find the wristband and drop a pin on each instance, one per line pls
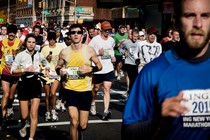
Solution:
(137, 61)
(94, 69)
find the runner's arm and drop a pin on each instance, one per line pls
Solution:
(95, 60)
(61, 62)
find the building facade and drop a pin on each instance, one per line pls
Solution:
(60, 11)
(140, 13)
(7, 11)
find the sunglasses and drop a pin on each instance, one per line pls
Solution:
(75, 32)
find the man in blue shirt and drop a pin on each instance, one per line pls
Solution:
(170, 97)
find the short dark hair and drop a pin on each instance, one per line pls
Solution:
(168, 31)
(37, 26)
(91, 26)
(76, 26)
(30, 35)
(12, 29)
(3, 25)
(135, 31)
(175, 30)
(51, 35)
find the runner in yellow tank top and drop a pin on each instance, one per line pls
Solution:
(78, 86)
(8, 46)
(79, 82)
(8, 51)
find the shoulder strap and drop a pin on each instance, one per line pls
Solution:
(84, 52)
(68, 54)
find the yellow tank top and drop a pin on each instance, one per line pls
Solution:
(8, 55)
(76, 81)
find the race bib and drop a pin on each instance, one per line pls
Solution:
(198, 106)
(9, 59)
(74, 74)
(107, 54)
(33, 68)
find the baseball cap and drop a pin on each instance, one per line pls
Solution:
(152, 30)
(58, 28)
(141, 33)
(106, 25)
(22, 26)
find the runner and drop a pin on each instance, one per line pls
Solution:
(8, 46)
(119, 38)
(27, 64)
(51, 53)
(78, 87)
(147, 50)
(103, 45)
(127, 48)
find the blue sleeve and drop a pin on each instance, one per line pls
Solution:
(141, 105)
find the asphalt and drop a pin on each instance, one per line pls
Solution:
(97, 129)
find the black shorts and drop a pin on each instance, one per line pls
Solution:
(118, 59)
(10, 79)
(99, 78)
(81, 100)
(29, 88)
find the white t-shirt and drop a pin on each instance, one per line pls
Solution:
(108, 45)
(147, 51)
(64, 32)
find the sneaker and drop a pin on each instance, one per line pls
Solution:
(47, 116)
(63, 108)
(23, 131)
(3, 124)
(9, 113)
(93, 110)
(58, 105)
(16, 101)
(30, 139)
(106, 116)
(80, 135)
(54, 115)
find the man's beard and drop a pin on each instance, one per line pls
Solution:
(187, 49)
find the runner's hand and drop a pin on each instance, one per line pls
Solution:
(126, 53)
(113, 59)
(101, 52)
(171, 107)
